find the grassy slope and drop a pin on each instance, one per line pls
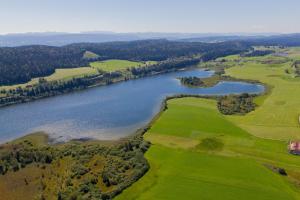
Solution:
(90, 55)
(60, 74)
(277, 117)
(181, 171)
(115, 65)
(187, 175)
(294, 53)
(66, 74)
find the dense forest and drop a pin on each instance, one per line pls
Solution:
(21, 64)
(157, 50)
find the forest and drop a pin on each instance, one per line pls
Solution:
(21, 64)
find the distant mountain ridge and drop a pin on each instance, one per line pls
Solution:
(61, 39)
(283, 39)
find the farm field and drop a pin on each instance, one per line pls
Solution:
(195, 153)
(63, 74)
(116, 65)
(60, 74)
(278, 115)
(199, 153)
(294, 52)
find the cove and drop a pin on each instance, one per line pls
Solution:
(108, 112)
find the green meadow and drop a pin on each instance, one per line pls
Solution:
(278, 115)
(90, 55)
(198, 153)
(59, 74)
(118, 65)
(66, 74)
(293, 52)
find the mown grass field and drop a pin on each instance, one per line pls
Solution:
(230, 165)
(118, 65)
(294, 52)
(60, 74)
(90, 55)
(198, 153)
(278, 115)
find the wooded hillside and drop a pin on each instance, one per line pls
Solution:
(21, 64)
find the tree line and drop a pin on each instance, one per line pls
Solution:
(21, 64)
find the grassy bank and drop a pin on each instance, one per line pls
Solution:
(198, 153)
(277, 117)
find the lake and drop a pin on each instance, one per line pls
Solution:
(107, 112)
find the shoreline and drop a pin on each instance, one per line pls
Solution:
(118, 80)
(162, 107)
(44, 140)
(142, 130)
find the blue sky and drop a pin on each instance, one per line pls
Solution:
(198, 16)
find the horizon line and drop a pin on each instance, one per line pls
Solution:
(152, 32)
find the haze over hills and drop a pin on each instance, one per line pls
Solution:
(61, 38)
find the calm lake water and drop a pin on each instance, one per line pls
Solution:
(108, 112)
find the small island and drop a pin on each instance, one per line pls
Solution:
(193, 81)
